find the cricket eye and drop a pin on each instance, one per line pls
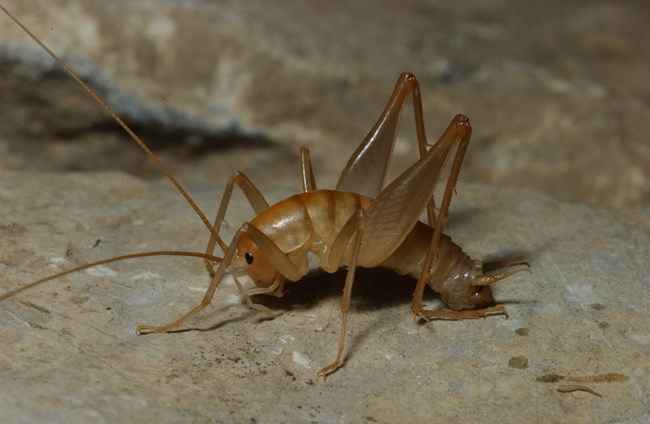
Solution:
(249, 258)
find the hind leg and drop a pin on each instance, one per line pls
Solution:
(306, 171)
(366, 169)
(448, 314)
(483, 280)
(451, 139)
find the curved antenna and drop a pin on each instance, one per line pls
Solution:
(122, 124)
(106, 261)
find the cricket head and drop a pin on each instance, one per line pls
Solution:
(252, 259)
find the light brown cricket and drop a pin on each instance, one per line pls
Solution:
(361, 223)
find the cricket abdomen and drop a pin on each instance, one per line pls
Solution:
(451, 273)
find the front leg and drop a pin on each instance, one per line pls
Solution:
(256, 200)
(280, 260)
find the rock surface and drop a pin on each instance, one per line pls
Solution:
(69, 352)
(558, 99)
(557, 91)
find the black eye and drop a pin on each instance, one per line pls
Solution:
(248, 257)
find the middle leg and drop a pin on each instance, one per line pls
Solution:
(352, 230)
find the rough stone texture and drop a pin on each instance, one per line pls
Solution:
(70, 354)
(557, 91)
(558, 99)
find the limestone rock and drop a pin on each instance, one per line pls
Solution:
(69, 352)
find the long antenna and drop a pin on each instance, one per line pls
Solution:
(106, 261)
(122, 124)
